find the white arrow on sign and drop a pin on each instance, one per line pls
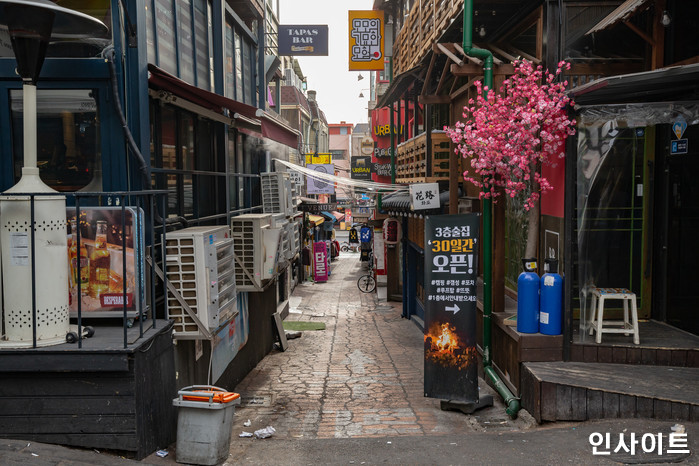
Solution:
(453, 308)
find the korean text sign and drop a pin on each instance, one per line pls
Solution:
(320, 261)
(366, 40)
(451, 262)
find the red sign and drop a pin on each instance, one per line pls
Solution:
(320, 261)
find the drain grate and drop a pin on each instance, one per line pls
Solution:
(257, 400)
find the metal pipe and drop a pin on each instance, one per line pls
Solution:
(510, 400)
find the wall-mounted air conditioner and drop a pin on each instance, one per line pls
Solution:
(199, 263)
(247, 232)
(276, 193)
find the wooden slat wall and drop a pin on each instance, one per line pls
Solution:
(127, 410)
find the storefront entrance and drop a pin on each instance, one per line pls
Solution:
(677, 210)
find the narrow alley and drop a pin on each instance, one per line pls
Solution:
(360, 377)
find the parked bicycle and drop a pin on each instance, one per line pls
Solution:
(347, 247)
(367, 283)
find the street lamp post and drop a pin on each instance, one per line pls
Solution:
(33, 231)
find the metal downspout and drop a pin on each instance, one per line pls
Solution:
(510, 400)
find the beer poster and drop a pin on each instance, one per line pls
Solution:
(451, 261)
(97, 265)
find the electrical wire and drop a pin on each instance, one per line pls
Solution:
(368, 185)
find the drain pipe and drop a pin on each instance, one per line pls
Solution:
(510, 400)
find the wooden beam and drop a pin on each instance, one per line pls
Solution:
(433, 99)
(476, 70)
(642, 34)
(443, 78)
(464, 88)
(500, 51)
(658, 49)
(460, 49)
(429, 73)
(531, 58)
(450, 54)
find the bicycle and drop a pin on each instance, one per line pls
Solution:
(367, 283)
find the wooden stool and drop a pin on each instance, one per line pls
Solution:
(597, 317)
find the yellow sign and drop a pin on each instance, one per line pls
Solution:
(366, 37)
(317, 159)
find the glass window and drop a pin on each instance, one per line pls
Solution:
(186, 48)
(201, 42)
(238, 68)
(68, 136)
(150, 37)
(343, 130)
(230, 59)
(165, 29)
(248, 76)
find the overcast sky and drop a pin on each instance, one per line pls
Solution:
(337, 87)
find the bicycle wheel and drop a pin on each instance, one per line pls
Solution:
(366, 283)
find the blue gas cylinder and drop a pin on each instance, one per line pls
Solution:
(528, 298)
(551, 306)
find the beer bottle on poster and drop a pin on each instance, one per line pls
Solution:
(80, 277)
(99, 262)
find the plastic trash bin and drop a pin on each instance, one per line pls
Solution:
(204, 424)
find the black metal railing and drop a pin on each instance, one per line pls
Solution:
(147, 207)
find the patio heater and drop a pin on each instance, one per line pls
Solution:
(36, 315)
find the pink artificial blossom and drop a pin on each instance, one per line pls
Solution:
(511, 133)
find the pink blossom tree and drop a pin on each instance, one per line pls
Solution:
(510, 135)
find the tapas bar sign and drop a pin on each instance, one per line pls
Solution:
(451, 262)
(303, 39)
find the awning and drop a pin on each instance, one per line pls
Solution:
(399, 85)
(329, 216)
(339, 216)
(622, 13)
(271, 127)
(315, 219)
(674, 83)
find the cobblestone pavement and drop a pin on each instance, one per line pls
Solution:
(360, 377)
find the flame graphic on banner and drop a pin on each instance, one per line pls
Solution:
(442, 347)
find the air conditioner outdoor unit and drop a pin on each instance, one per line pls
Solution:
(276, 193)
(199, 263)
(247, 232)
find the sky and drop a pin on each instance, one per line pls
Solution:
(337, 88)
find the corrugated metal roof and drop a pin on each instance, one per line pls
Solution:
(622, 13)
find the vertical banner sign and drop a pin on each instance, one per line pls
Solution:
(366, 45)
(451, 261)
(320, 261)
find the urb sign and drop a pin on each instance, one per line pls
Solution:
(303, 40)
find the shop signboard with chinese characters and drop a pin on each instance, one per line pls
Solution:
(366, 40)
(319, 185)
(320, 261)
(97, 265)
(451, 261)
(303, 39)
(425, 196)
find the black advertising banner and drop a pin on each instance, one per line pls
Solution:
(299, 40)
(360, 167)
(451, 262)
